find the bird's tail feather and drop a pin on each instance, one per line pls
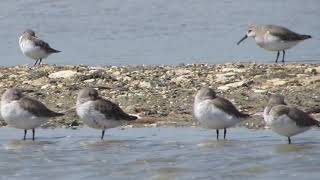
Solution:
(55, 114)
(243, 115)
(131, 118)
(51, 50)
(306, 36)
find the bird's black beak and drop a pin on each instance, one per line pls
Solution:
(242, 39)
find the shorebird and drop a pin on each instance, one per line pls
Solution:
(22, 112)
(274, 38)
(98, 112)
(33, 47)
(287, 120)
(215, 112)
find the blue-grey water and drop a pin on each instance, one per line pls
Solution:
(158, 153)
(116, 32)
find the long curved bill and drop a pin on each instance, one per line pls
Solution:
(242, 39)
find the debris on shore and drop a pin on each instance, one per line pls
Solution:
(162, 95)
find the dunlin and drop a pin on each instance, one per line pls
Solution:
(287, 120)
(98, 112)
(22, 112)
(274, 38)
(215, 112)
(33, 47)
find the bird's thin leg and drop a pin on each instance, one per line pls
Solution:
(33, 132)
(40, 62)
(225, 133)
(217, 134)
(36, 62)
(289, 140)
(278, 54)
(283, 54)
(25, 134)
(102, 134)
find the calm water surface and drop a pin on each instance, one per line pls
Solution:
(158, 153)
(154, 31)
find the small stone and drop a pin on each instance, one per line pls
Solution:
(89, 80)
(232, 85)
(260, 90)
(63, 74)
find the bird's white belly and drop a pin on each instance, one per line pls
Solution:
(267, 117)
(17, 117)
(213, 118)
(273, 43)
(95, 119)
(284, 126)
(32, 51)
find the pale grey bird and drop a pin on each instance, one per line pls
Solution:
(274, 38)
(215, 112)
(286, 120)
(22, 112)
(33, 47)
(98, 112)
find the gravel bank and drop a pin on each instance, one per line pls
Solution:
(163, 95)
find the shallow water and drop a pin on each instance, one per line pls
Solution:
(154, 31)
(158, 153)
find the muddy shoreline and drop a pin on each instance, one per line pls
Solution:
(162, 95)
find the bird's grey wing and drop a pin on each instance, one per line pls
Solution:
(285, 34)
(37, 108)
(301, 118)
(43, 45)
(111, 110)
(226, 106)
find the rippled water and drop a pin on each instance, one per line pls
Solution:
(154, 31)
(158, 153)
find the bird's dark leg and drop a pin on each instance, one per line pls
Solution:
(36, 62)
(283, 54)
(25, 134)
(217, 134)
(278, 54)
(225, 133)
(289, 140)
(40, 62)
(33, 132)
(102, 134)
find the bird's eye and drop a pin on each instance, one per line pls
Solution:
(249, 31)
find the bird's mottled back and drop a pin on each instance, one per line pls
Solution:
(111, 110)
(301, 118)
(37, 108)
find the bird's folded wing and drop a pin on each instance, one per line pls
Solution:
(110, 110)
(228, 107)
(301, 118)
(285, 34)
(37, 108)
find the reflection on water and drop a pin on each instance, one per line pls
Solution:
(219, 143)
(285, 148)
(158, 153)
